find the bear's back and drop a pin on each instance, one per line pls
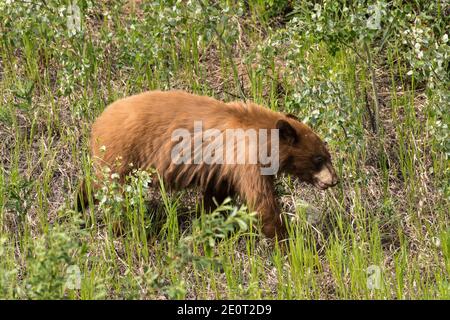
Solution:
(138, 129)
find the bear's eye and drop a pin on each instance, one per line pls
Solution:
(318, 160)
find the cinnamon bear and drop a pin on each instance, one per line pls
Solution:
(224, 149)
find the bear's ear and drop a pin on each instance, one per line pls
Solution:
(292, 116)
(287, 133)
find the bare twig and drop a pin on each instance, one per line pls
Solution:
(376, 110)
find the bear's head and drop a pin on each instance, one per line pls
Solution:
(303, 154)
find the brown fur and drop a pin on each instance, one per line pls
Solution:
(138, 129)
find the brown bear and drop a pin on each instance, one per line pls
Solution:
(221, 148)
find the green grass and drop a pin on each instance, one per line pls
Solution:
(386, 224)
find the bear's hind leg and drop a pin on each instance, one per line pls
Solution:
(213, 197)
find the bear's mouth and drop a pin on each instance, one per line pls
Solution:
(321, 185)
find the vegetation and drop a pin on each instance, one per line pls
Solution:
(372, 78)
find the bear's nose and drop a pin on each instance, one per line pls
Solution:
(334, 177)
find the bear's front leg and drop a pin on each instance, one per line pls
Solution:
(258, 191)
(272, 223)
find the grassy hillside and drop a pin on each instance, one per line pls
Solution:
(372, 79)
